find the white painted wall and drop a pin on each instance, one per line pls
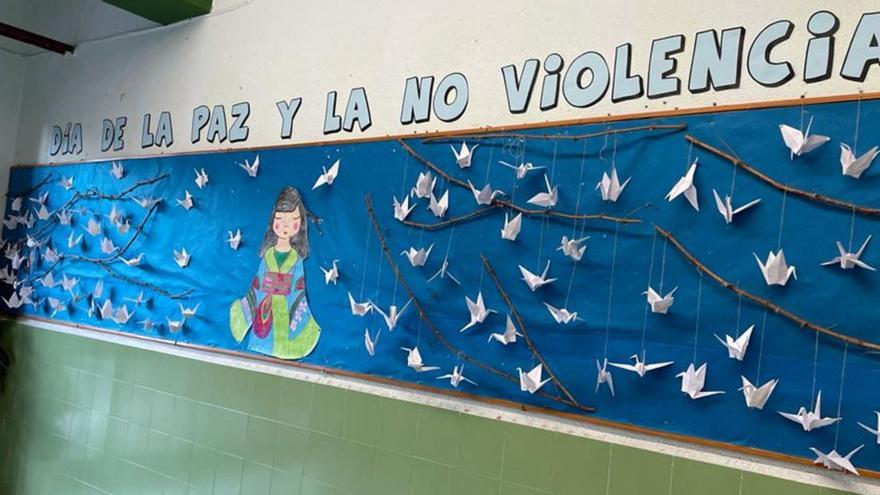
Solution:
(11, 76)
(263, 51)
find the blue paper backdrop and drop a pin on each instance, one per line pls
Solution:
(655, 160)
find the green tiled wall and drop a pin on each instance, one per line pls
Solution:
(86, 417)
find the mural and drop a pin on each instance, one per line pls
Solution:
(708, 275)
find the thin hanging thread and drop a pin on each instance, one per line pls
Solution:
(671, 475)
(739, 306)
(697, 324)
(489, 164)
(733, 181)
(405, 171)
(761, 348)
(577, 208)
(663, 265)
(852, 229)
(650, 276)
(815, 366)
(781, 221)
(366, 256)
(840, 394)
(858, 121)
(521, 158)
(610, 293)
(690, 155)
(544, 219)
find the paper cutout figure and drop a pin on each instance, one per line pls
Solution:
(181, 257)
(66, 183)
(252, 169)
(68, 283)
(56, 305)
(522, 169)
(477, 310)
(457, 376)
(509, 336)
(107, 246)
(359, 309)
(811, 420)
(414, 360)
(187, 201)
(48, 280)
(726, 209)
(201, 178)
(188, 312)
(562, 315)
(872, 431)
(604, 376)
(72, 241)
(114, 215)
(546, 199)
(531, 382)
(41, 199)
(16, 204)
(756, 397)
(122, 315)
(133, 261)
(834, 461)
(444, 272)
(328, 177)
(10, 222)
(639, 367)
(93, 227)
(610, 187)
(234, 240)
(424, 185)
(736, 348)
(142, 299)
(535, 282)
(438, 208)
(43, 213)
(331, 275)
(146, 324)
(106, 310)
(659, 304)
(511, 227)
(572, 247)
(123, 227)
(855, 167)
(686, 186)
(275, 309)
(847, 260)
(417, 257)
(693, 381)
(370, 342)
(392, 315)
(402, 209)
(464, 156)
(486, 195)
(776, 271)
(50, 255)
(64, 217)
(174, 325)
(116, 170)
(801, 142)
(147, 202)
(14, 301)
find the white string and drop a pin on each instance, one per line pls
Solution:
(840, 393)
(610, 292)
(671, 475)
(521, 159)
(405, 171)
(663, 265)
(739, 306)
(577, 208)
(852, 229)
(761, 348)
(858, 120)
(544, 217)
(366, 255)
(733, 180)
(489, 165)
(650, 276)
(697, 323)
(781, 220)
(815, 366)
(690, 155)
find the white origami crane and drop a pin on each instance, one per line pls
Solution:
(392, 315)
(147, 202)
(402, 209)
(132, 261)
(234, 240)
(140, 299)
(107, 246)
(146, 324)
(73, 241)
(64, 217)
(50, 255)
(424, 185)
(811, 420)
(41, 199)
(439, 207)
(531, 382)
(477, 310)
(686, 186)
(463, 158)
(726, 209)
(417, 257)
(114, 214)
(572, 247)
(414, 360)
(174, 325)
(16, 260)
(16, 204)
(801, 142)
(14, 301)
(42, 213)
(98, 291)
(27, 221)
(68, 283)
(66, 183)
(328, 177)
(756, 397)
(444, 272)
(509, 336)
(610, 186)
(872, 431)
(188, 312)
(693, 381)
(852, 166)
(252, 169)
(106, 310)
(116, 170)
(122, 315)
(522, 169)
(640, 368)
(776, 271)
(736, 348)
(201, 178)
(331, 275)
(93, 227)
(187, 201)
(359, 309)
(7, 276)
(562, 315)
(546, 199)
(457, 375)
(659, 304)
(833, 460)
(56, 305)
(10, 222)
(511, 227)
(604, 376)
(370, 342)
(536, 281)
(48, 280)
(486, 195)
(123, 226)
(847, 260)
(181, 257)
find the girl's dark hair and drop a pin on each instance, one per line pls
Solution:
(289, 200)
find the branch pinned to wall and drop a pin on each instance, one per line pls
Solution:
(565, 137)
(140, 283)
(48, 178)
(121, 251)
(383, 243)
(810, 195)
(764, 303)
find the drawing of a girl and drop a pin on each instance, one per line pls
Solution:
(275, 307)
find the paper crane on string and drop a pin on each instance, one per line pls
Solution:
(328, 177)
(855, 167)
(726, 209)
(424, 187)
(834, 461)
(640, 367)
(359, 309)
(604, 376)
(444, 272)
(522, 169)
(486, 195)
(464, 157)
(546, 199)
(756, 397)
(573, 247)
(402, 209)
(847, 260)
(531, 382)
(659, 304)
(694, 380)
(370, 342)
(477, 310)
(736, 348)
(417, 257)
(331, 275)
(776, 270)
(393, 314)
(872, 431)
(511, 227)
(439, 207)
(686, 186)
(799, 142)
(509, 336)
(414, 360)
(610, 187)
(456, 377)
(536, 281)
(811, 420)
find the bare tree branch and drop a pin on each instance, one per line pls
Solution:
(567, 137)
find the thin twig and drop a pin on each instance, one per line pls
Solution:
(810, 195)
(491, 271)
(569, 137)
(119, 252)
(437, 334)
(155, 288)
(801, 322)
(33, 188)
(449, 222)
(130, 189)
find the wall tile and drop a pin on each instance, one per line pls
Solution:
(481, 446)
(360, 419)
(397, 426)
(522, 463)
(392, 474)
(581, 466)
(654, 471)
(429, 478)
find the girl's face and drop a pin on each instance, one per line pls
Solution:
(286, 224)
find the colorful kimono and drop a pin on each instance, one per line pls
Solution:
(275, 309)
